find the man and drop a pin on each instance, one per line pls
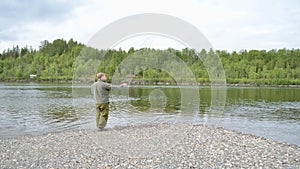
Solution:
(100, 90)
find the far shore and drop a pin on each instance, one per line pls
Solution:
(155, 84)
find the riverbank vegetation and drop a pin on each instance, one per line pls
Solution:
(60, 60)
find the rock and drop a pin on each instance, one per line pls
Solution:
(77, 149)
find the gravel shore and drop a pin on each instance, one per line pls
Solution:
(151, 146)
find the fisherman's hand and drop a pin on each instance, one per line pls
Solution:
(123, 84)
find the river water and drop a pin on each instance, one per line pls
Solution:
(35, 108)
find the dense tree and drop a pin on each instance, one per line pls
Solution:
(61, 60)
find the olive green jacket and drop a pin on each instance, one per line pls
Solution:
(100, 90)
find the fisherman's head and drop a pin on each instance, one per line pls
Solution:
(101, 76)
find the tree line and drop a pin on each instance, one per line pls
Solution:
(52, 61)
(63, 60)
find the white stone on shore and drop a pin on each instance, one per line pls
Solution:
(201, 147)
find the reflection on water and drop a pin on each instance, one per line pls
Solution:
(261, 110)
(41, 108)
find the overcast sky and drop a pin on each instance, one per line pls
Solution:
(227, 24)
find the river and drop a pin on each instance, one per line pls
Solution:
(39, 108)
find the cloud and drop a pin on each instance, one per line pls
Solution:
(18, 11)
(15, 15)
(257, 25)
(230, 25)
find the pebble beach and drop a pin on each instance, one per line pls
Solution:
(149, 146)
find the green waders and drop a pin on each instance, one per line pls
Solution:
(102, 114)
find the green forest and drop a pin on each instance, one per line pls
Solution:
(63, 60)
